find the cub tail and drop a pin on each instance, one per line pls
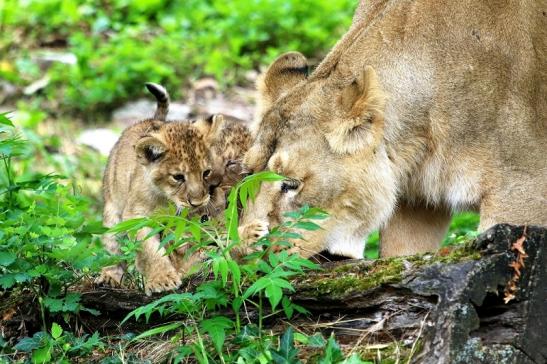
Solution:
(162, 97)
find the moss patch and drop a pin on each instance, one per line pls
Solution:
(348, 279)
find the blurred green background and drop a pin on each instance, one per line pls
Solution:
(112, 47)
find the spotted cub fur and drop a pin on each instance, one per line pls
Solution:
(154, 162)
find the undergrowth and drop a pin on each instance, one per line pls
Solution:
(50, 243)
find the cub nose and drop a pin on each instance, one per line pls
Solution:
(196, 202)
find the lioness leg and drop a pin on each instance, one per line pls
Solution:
(111, 275)
(413, 229)
(522, 201)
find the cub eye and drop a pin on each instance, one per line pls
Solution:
(231, 163)
(289, 184)
(206, 173)
(178, 177)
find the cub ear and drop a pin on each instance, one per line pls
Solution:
(211, 126)
(283, 74)
(149, 150)
(361, 104)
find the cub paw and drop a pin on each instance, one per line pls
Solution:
(250, 233)
(161, 280)
(111, 276)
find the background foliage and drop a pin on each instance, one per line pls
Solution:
(119, 44)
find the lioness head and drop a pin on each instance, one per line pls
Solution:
(325, 136)
(177, 163)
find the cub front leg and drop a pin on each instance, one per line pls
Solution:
(158, 271)
(113, 274)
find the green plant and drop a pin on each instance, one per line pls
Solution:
(48, 241)
(58, 345)
(259, 283)
(463, 227)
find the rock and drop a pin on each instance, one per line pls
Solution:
(206, 99)
(45, 58)
(142, 109)
(36, 86)
(101, 139)
(7, 91)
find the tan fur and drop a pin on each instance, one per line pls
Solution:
(140, 177)
(228, 140)
(463, 126)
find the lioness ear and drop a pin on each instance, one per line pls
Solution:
(149, 150)
(211, 126)
(362, 104)
(283, 74)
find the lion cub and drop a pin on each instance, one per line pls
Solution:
(229, 139)
(152, 163)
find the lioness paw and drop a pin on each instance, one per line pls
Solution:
(111, 276)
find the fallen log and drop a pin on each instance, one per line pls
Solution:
(490, 308)
(484, 302)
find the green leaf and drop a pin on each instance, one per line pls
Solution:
(333, 353)
(301, 338)
(129, 225)
(307, 225)
(7, 258)
(287, 353)
(274, 294)
(5, 120)
(355, 359)
(316, 341)
(158, 330)
(56, 331)
(7, 280)
(27, 344)
(70, 303)
(257, 286)
(42, 355)
(53, 304)
(235, 271)
(287, 307)
(216, 328)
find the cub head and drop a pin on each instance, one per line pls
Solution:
(228, 140)
(177, 163)
(322, 134)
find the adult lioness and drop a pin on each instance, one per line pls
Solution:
(423, 108)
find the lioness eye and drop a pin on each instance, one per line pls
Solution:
(178, 177)
(289, 185)
(206, 173)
